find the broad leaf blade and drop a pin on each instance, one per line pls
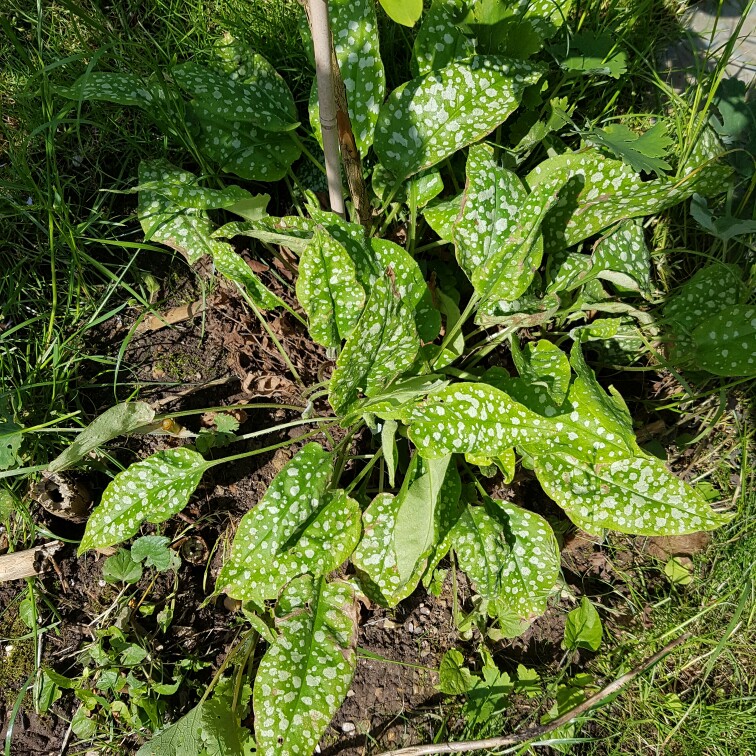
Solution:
(642, 152)
(404, 12)
(635, 495)
(440, 41)
(121, 88)
(233, 266)
(116, 421)
(305, 675)
(384, 343)
(622, 257)
(544, 363)
(726, 343)
(510, 554)
(417, 127)
(151, 490)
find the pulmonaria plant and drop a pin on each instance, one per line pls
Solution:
(527, 249)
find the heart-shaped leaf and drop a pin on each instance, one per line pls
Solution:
(151, 490)
(305, 675)
(635, 495)
(725, 344)
(296, 528)
(510, 554)
(384, 343)
(328, 290)
(430, 118)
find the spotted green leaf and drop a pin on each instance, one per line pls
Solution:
(296, 528)
(441, 216)
(328, 290)
(710, 290)
(591, 52)
(233, 266)
(440, 41)
(383, 344)
(542, 363)
(429, 118)
(622, 257)
(260, 97)
(423, 187)
(151, 490)
(402, 532)
(635, 495)
(598, 192)
(120, 88)
(187, 230)
(354, 28)
(11, 437)
(472, 418)
(305, 675)
(725, 344)
(510, 554)
(244, 149)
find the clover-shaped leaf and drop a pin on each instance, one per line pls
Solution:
(430, 118)
(510, 554)
(305, 675)
(151, 490)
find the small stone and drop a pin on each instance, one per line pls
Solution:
(410, 627)
(425, 611)
(347, 727)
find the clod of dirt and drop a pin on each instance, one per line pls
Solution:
(666, 547)
(64, 495)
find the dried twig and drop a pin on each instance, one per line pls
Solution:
(536, 732)
(28, 563)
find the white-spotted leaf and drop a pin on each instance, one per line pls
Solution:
(305, 675)
(328, 290)
(121, 88)
(116, 421)
(442, 215)
(635, 495)
(233, 266)
(151, 490)
(545, 364)
(440, 41)
(430, 118)
(622, 257)
(725, 344)
(383, 344)
(472, 418)
(354, 28)
(510, 554)
(296, 528)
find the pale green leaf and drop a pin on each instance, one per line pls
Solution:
(121, 88)
(154, 551)
(233, 266)
(472, 418)
(583, 627)
(384, 343)
(405, 12)
(454, 676)
(725, 344)
(304, 677)
(297, 527)
(260, 97)
(151, 490)
(635, 495)
(121, 568)
(510, 555)
(430, 118)
(328, 290)
(388, 445)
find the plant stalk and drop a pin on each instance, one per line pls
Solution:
(317, 15)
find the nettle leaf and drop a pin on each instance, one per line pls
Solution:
(642, 152)
(510, 554)
(725, 344)
(592, 52)
(598, 192)
(404, 12)
(430, 118)
(120, 88)
(296, 528)
(151, 490)
(403, 532)
(233, 266)
(243, 149)
(622, 257)
(441, 216)
(440, 41)
(328, 290)
(116, 421)
(260, 98)
(543, 363)
(354, 28)
(472, 418)
(187, 230)
(304, 677)
(384, 343)
(635, 495)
